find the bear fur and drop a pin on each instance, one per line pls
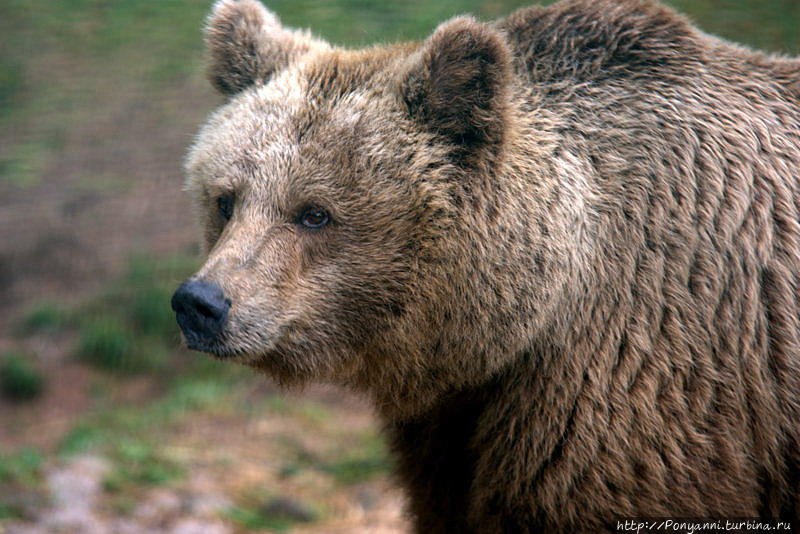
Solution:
(560, 251)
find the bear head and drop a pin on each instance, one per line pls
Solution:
(354, 227)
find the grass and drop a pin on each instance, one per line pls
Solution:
(110, 344)
(106, 343)
(45, 317)
(770, 26)
(66, 61)
(23, 167)
(364, 460)
(22, 468)
(131, 436)
(20, 379)
(110, 428)
(21, 475)
(11, 75)
(259, 509)
(127, 328)
(369, 458)
(357, 467)
(311, 413)
(255, 519)
(140, 463)
(85, 436)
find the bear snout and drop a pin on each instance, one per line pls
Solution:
(201, 309)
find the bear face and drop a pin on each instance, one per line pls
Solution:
(307, 245)
(350, 205)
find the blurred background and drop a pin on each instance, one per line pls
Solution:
(106, 424)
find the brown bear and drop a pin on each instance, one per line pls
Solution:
(560, 251)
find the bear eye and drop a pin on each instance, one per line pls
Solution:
(314, 218)
(225, 207)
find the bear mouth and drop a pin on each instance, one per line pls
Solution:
(215, 347)
(222, 347)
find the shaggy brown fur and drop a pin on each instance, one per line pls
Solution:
(562, 255)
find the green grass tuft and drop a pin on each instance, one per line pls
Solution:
(23, 467)
(358, 467)
(361, 463)
(254, 519)
(107, 343)
(20, 379)
(259, 509)
(151, 313)
(140, 463)
(82, 438)
(46, 317)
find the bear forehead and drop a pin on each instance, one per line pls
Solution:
(317, 86)
(317, 102)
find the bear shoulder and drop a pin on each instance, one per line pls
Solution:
(583, 39)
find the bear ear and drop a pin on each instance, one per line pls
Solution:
(247, 44)
(458, 82)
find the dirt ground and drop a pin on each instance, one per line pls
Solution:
(229, 455)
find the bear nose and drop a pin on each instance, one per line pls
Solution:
(200, 309)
